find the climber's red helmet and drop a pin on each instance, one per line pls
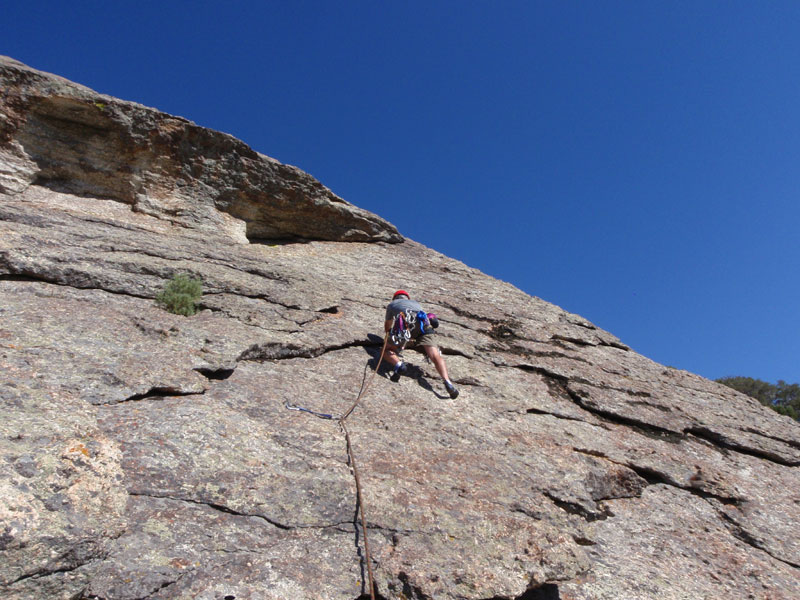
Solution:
(400, 293)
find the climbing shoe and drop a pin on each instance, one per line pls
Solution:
(399, 370)
(451, 389)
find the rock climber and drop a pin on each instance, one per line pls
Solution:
(402, 313)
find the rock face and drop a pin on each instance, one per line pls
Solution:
(149, 455)
(67, 138)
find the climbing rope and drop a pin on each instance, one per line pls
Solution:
(360, 500)
(364, 388)
(350, 455)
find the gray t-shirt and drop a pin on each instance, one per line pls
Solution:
(407, 307)
(410, 309)
(402, 305)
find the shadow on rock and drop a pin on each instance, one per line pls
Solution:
(373, 349)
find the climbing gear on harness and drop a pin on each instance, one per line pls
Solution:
(405, 326)
(402, 328)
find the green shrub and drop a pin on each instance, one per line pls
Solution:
(181, 295)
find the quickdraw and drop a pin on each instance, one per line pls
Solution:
(308, 410)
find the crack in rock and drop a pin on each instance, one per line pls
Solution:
(32, 277)
(655, 477)
(225, 509)
(743, 536)
(722, 441)
(281, 351)
(154, 393)
(575, 508)
(343, 526)
(539, 411)
(44, 572)
(788, 442)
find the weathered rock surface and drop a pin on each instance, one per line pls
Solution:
(149, 455)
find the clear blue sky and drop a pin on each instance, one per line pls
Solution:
(635, 162)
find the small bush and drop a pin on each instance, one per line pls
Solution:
(181, 295)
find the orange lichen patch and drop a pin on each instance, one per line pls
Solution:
(179, 563)
(79, 447)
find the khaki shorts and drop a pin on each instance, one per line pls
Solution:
(426, 339)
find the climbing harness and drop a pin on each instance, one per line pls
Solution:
(350, 456)
(406, 322)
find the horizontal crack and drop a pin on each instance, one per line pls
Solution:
(647, 429)
(542, 371)
(461, 312)
(654, 477)
(157, 392)
(453, 352)
(560, 383)
(742, 535)
(719, 439)
(576, 341)
(523, 352)
(29, 277)
(791, 443)
(584, 343)
(219, 507)
(539, 411)
(574, 508)
(228, 510)
(45, 572)
(36, 277)
(264, 297)
(209, 259)
(278, 351)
